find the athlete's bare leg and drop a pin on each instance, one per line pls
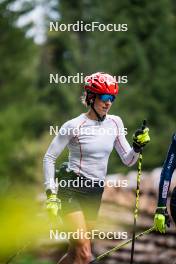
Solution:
(79, 251)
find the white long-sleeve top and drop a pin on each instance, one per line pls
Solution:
(90, 143)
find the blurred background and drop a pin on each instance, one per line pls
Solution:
(29, 52)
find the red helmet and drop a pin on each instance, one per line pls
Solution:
(101, 83)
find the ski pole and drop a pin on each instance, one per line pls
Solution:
(116, 248)
(137, 199)
(17, 253)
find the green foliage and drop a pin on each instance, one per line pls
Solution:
(22, 116)
(29, 259)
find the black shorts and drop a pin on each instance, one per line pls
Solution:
(173, 205)
(80, 198)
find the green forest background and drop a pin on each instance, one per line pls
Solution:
(146, 53)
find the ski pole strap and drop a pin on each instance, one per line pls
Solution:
(107, 253)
